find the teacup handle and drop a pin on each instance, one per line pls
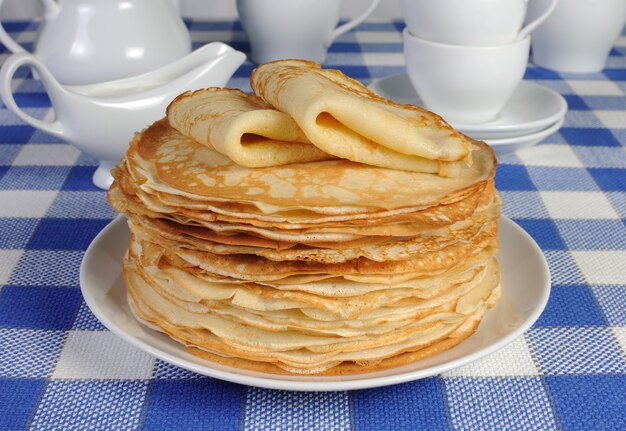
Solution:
(51, 9)
(352, 23)
(538, 21)
(10, 66)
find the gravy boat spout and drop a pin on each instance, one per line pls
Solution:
(100, 119)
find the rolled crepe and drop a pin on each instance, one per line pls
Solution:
(242, 127)
(343, 118)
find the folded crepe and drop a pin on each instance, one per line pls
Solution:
(343, 118)
(242, 127)
(305, 113)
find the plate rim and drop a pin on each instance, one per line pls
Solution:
(531, 126)
(316, 386)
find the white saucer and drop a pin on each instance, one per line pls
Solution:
(531, 108)
(504, 146)
(525, 290)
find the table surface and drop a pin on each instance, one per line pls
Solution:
(61, 369)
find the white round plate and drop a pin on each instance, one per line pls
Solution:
(504, 146)
(525, 290)
(531, 108)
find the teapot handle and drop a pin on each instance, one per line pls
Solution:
(51, 10)
(10, 66)
(352, 23)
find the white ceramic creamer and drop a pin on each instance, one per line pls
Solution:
(100, 119)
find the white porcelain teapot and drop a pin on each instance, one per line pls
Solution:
(100, 119)
(88, 41)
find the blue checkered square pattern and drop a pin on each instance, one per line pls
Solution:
(61, 369)
(185, 404)
(421, 402)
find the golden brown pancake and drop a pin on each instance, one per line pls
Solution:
(161, 159)
(242, 127)
(343, 118)
(313, 228)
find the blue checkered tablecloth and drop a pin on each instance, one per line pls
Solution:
(60, 369)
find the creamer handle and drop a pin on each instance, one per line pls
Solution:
(352, 23)
(10, 66)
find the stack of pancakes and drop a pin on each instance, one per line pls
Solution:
(271, 231)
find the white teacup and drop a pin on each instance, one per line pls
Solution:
(465, 84)
(469, 22)
(281, 29)
(578, 35)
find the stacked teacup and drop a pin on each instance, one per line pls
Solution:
(466, 58)
(304, 29)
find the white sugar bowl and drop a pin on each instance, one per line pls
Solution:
(88, 41)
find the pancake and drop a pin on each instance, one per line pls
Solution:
(376, 248)
(161, 159)
(192, 286)
(455, 208)
(312, 228)
(242, 127)
(343, 118)
(286, 347)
